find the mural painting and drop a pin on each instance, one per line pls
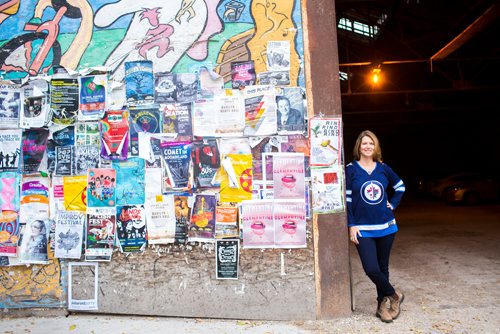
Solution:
(176, 35)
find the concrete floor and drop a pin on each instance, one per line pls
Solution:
(446, 259)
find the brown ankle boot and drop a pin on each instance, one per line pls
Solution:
(383, 311)
(396, 304)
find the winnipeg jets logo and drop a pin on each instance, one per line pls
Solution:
(372, 192)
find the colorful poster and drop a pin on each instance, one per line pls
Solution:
(288, 175)
(9, 190)
(34, 202)
(34, 242)
(165, 88)
(176, 160)
(161, 219)
(143, 119)
(182, 218)
(36, 109)
(290, 224)
(101, 187)
(177, 119)
(260, 110)
(261, 145)
(325, 141)
(327, 194)
(139, 81)
(92, 97)
(87, 134)
(65, 165)
(56, 196)
(295, 144)
(131, 228)
(114, 128)
(10, 149)
(86, 157)
(206, 162)
(186, 86)
(227, 253)
(75, 193)
(130, 181)
(290, 111)
(226, 225)
(258, 224)
(10, 105)
(10, 231)
(69, 234)
(34, 145)
(100, 233)
(243, 74)
(202, 225)
(64, 100)
(236, 178)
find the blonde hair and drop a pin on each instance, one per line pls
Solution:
(377, 152)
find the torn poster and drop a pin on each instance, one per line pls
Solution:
(227, 254)
(36, 111)
(10, 149)
(101, 188)
(226, 225)
(130, 181)
(10, 230)
(160, 220)
(56, 196)
(202, 225)
(182, 218)
(10, 105)
(92, 97)
(288, 175)
(258, 224)
(176, 161)
(143, 119)
(327, 195)
(9, 188)
(83, 304)
(34, 242)
(242, 74)
(325, 141)
(131, 228)
(236, 178)
(206, 161)
(139, 81)
(33, 148)
(69, 234)
(260, 110)
(64, 100)
(262, 145)
(210, 82)
(100, 233)
(114, 129)
(290, 224)
(75, 193)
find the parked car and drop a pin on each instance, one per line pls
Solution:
(438, 187)
(473, 192)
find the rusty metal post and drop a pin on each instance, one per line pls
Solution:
(332, 273)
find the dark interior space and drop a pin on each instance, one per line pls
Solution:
(436, 107)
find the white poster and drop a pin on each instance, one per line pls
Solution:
(327, 195)
(326, 134)
(69, 234)
(160, 219)
(10, 105)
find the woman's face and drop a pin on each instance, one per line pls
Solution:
(36, 228)
(367, 147)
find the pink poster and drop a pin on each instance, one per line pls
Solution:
(288, 175)
(290, 224)
(258, 226)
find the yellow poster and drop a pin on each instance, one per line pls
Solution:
(236, 183)
(75, 193)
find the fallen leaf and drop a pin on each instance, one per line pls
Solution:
(72, 327)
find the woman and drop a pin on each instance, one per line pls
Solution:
(37, 243)
(371, 222)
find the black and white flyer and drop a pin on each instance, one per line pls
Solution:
(227, 252)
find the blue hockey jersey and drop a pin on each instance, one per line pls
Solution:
(366, 197)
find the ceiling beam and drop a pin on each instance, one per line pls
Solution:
(479, 24)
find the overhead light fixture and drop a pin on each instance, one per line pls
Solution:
(376, 76)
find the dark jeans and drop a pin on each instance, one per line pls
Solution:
(374, 254)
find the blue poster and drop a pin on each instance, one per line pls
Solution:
(139, 81)
(130, 181)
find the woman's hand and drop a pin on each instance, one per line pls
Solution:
(353, 234)
(390, 206)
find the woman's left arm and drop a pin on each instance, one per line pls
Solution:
(398, 186)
